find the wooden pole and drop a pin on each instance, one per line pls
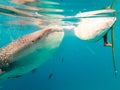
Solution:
(112, 38)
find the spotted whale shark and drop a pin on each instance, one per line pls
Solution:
(28, 52)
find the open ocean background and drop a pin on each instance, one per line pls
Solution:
(76, 65)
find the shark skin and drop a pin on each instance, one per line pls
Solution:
(93, 29)
(28, 52)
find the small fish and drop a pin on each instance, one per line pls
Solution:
(62, 60)
(50, 75)
(15, 76)
(34, 70)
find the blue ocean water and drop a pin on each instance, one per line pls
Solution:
(76, 65)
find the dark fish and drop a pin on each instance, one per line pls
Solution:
(62, 60)
(50, 75)
(34, 70)
(15, 76)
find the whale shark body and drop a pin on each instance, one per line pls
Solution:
(28, 52)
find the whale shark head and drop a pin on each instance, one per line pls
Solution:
(28, 52)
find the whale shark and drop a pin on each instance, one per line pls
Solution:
(28, 52)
